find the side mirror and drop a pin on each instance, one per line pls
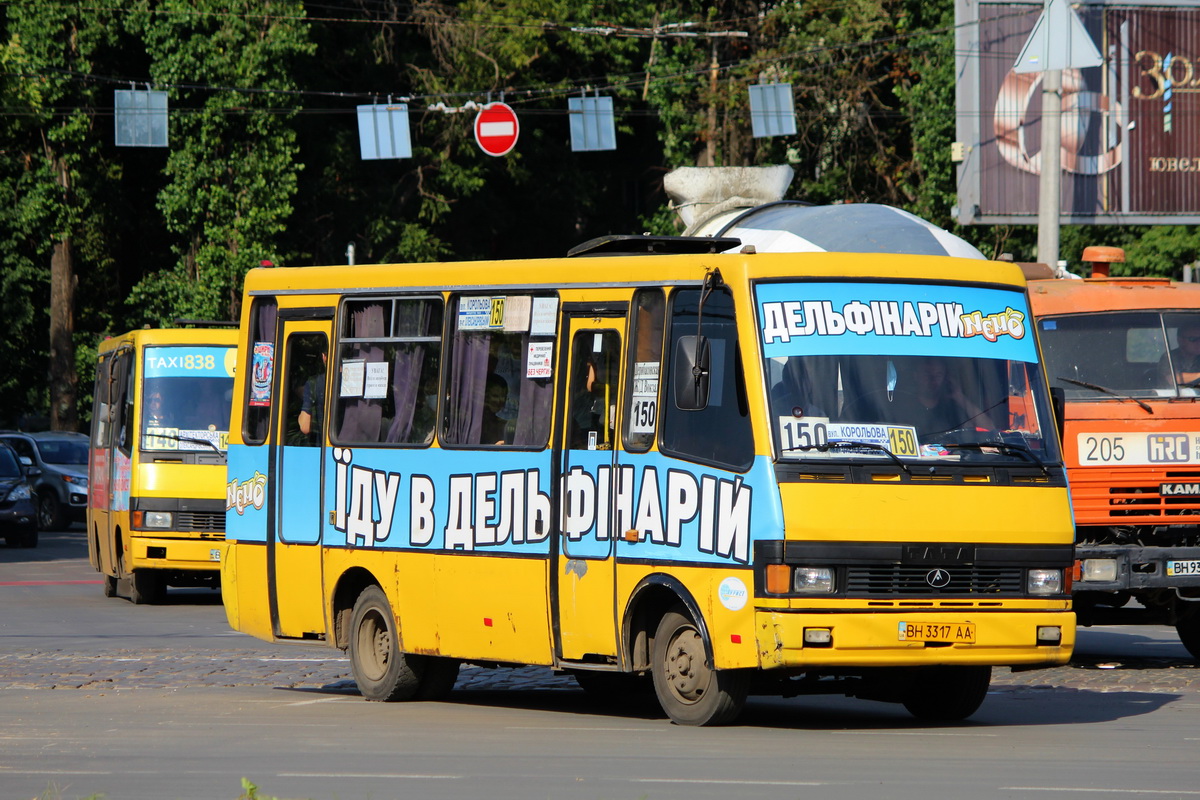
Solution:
(691, 372)
(26, 461)
(32, 472)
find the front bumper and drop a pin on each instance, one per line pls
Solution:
(870, 639)
(178, 554)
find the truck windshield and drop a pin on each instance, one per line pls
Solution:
(904, 372)
(1130, 355)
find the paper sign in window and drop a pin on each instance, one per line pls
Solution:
(376, 384)
(353, 375)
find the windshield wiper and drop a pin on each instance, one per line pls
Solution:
(1008, 447)
(1097, 388)
(836, 443)
(219, 451)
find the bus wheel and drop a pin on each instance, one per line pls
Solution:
(689, 691)
(438, 676)
(146, 587)
(947, 694)
(1188, 628)
(381, 671)
(110, 585)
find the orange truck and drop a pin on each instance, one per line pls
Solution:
(1126, 354)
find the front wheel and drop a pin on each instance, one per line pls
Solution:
(110, 585)
(947, 694)
(689, 690)
(1188, 628)
(146, 587)
(381, 671)
(50, 514)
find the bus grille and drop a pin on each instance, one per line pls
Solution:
(200, 521)
(891, 579)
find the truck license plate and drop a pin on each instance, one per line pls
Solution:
(1183, 568)
(961, 632)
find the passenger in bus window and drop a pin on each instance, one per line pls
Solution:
(312, 405)
(495, 396)
(792, 395)
(156, 410)
(931, 400)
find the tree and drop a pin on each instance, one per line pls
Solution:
(232, 168)
(54, 175)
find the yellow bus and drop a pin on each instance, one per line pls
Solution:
(705, 473)
(160, 429)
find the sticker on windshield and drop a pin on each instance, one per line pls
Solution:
(818, 436)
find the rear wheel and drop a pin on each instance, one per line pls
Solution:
(381, 671)
(50, 513)
(947, 694)
(1188, 628)
(688, 689)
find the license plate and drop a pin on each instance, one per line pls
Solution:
(1183, 568)
(963, 632)
(214, 554)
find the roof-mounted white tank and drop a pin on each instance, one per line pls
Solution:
(746, 203)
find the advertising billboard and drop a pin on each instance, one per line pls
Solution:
(1130, 128)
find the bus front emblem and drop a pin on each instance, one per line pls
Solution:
(938, 578)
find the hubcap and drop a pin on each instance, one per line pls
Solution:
(686, 673)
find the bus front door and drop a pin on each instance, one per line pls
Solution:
(585, 570)
(294, 545)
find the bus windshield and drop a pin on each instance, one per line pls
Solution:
(186, 397)
(1130, 355)
(903, 372)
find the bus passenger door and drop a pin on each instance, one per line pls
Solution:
(111, 469)
(585, 572)
(294, 543)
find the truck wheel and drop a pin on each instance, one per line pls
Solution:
(947, 694)
(146, 587)
(688, 689)
(381, 671)
(1188, 629)
(50, 515)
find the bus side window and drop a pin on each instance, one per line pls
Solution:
(719, 434)
(260, 366)
(490, 398)
(645, 366)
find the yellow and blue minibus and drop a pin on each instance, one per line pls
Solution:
(655, 466)
(156, 489)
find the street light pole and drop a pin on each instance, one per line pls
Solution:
(1050, 179)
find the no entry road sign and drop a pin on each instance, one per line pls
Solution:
(496, 129)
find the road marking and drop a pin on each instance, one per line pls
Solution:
(367, 775)
(911, 733)
(731, 783)
(314, 702)
(1092, 789)
(51, 583)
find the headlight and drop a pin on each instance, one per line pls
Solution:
(78, 481)
(1045, 581)
(812, 580)
(20, 493)
(1098, 569)
(156, 519)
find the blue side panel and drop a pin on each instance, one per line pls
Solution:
(499, 502)
(300, 505)
(246, 494)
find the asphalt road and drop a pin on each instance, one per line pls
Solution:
(101, 697)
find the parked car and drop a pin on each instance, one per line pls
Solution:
(18, 515)
(62, 487)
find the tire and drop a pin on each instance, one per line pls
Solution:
(381, 671)
(50, 514)
(688, 689)
(438, 676)
(947, 694)
(1188, 628)
(110, 585)
(146, 587)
